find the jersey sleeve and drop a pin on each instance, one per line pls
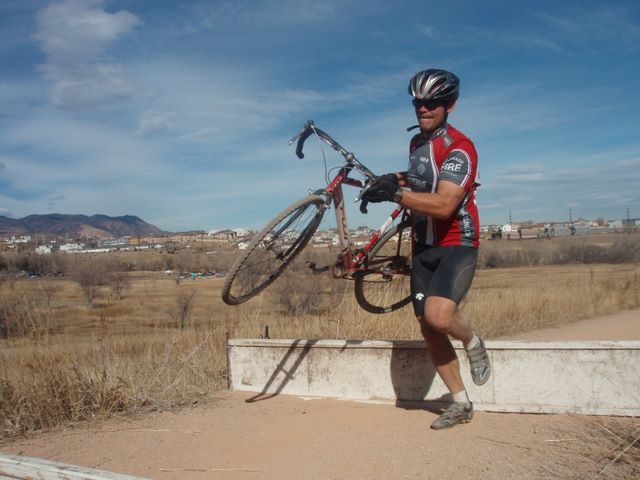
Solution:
(460, 166)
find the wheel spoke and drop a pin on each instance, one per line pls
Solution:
(273, 249)
(385, 285)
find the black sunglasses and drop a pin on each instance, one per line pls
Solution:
(428, 104)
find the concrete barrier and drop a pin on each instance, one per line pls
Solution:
(26, 468)
(598, 378)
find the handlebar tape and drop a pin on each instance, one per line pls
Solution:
(301, 141)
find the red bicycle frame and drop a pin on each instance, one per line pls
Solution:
(350, 260)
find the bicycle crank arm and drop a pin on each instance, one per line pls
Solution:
(314, 269)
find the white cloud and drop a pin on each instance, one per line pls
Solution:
(210, 104)
(523, 173)
(152, 122)
(547, 192)
(79, 30)
(202, 133)
(80, 86)
(511, 109)
(75, 36)
(75, 149)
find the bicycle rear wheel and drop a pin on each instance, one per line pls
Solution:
(385, 285)
(273, 249)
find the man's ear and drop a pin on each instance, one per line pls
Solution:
(451, 107)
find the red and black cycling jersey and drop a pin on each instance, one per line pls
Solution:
(446, 156)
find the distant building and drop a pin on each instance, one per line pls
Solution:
(43, 250)
(564, 230)
(71, 247)
(21, 239)
(223, 235)
(243, 232)
(362, 232)
(614, 224)
(510, 232)
(113, 242)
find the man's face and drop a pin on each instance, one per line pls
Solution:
(430, 114)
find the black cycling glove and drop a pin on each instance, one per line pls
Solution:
(389, 177)
(381, 190)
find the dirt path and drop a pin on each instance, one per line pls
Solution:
(619, 326)
(286, 437)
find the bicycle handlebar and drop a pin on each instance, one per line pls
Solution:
(309, 128)
(302, 136)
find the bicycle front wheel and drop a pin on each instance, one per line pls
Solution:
(385, 285)
(273, 249)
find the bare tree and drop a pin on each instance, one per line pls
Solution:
(119, 282)
(90, 273)
(49, 288)
(182, 310)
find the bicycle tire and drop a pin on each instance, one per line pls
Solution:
(273, 249)
(385, 285)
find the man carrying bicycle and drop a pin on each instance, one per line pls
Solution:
(439, 189)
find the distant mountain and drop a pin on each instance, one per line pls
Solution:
(76, 226)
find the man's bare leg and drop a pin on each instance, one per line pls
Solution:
(443, 356)
(442, 318)
(443, 315)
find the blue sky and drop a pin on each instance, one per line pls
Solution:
(180, 112)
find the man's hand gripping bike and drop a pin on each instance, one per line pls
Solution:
(381, 269)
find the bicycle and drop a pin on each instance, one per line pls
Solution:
(381, 269)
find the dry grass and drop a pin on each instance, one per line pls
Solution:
(607, 448)
(620, 450)
(161, 344)
(516, 300)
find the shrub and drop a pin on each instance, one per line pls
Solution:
(560, 251)
(182, 310)
(21, 315)
(119, 281)
(90, 273)
(299, 294)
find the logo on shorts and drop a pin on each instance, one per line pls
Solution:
(419, 296)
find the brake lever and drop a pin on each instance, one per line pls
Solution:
(307, 124)
(364, 203)
(366, 187)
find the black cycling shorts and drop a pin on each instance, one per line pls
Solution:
(442, 272)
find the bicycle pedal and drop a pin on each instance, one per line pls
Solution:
(315, 269)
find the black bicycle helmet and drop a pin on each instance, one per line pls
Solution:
(435, 84)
